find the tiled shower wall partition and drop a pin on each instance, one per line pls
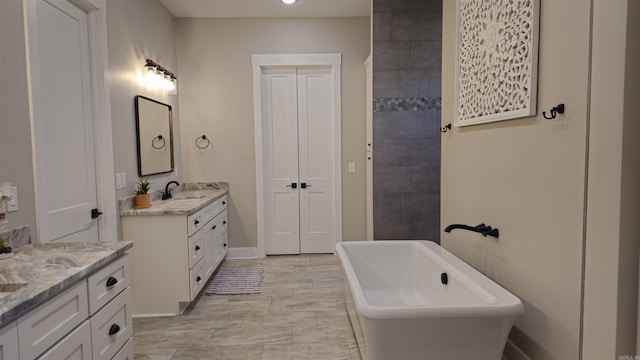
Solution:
(407, 43)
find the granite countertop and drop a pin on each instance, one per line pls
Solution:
(190, 198)
(36, 273)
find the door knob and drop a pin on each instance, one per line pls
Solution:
(304, 185)
(95, 213)
(293, 185)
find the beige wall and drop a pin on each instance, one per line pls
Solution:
(138, 30)
(613, 210)
(560, 191)
(216, 99)
(15, 127)
(527, 178)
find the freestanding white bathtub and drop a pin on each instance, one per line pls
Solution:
(416, 300)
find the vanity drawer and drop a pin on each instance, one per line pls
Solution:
(111, 327)
(219, 205)
(196, 221)
(126, 353)
(108, 282)
(44, 326)
(196, 249)
(76, 345)
(197, 279)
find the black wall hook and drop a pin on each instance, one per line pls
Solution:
(559, 109)
(445, 128)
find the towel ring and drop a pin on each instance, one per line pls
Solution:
(158, 139)
(202, 142)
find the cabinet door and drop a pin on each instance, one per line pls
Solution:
(75, 346)
(220, 238)
(9, 342)
(208, 234)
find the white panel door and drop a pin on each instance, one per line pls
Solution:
(297, 108)
(316, 154)
(281, 147)
(62, 118)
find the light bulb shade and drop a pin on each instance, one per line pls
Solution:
(149, 74)
(166, 82)
(288, 2)
(159, 78)
(174, 86)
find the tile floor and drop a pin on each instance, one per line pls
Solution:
(300, 314)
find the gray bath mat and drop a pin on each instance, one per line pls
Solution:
(237, 281)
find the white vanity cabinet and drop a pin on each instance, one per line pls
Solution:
(174, 255)
(9, 342)
(90, 320)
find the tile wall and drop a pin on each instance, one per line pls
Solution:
(407, 61)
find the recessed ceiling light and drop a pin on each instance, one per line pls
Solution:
(288, 2)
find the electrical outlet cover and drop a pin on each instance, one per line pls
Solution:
(13, 204)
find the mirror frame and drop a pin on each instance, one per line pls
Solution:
(138, 142)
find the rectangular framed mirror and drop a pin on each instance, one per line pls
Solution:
(154, 128)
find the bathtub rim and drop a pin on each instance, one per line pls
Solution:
(507, 305)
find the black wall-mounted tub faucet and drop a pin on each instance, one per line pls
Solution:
(481, 228)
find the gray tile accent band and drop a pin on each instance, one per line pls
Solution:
(407, 104)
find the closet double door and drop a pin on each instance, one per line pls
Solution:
(298, 111)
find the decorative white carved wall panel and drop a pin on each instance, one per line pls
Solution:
(496, 61)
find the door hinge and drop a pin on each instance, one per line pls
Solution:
(95, 213)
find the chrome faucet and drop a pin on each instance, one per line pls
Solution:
(167, 192)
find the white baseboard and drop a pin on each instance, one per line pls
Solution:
(242, 253)
(153, 315)
(512, 352)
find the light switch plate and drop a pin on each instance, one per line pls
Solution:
(352, 167)
(13, 204)
(121, 181)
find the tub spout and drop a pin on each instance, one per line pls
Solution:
(481, 228)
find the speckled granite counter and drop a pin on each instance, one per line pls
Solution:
(36, 273)
(187, 199)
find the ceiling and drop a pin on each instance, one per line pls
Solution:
(267, 8)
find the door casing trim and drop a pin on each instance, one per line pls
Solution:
(261, 61)
(101, 104)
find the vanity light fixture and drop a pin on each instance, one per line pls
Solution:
(288, 2)
(158, 77)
